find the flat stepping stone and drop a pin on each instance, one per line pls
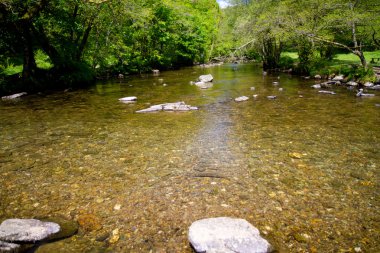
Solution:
(227, 235)
(241, 99)
(26, 230)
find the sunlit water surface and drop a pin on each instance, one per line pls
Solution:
(303, 168)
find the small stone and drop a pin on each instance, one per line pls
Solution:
(272, 194)
(242, 98)
(358, 249)
(255, 96)
(128, 99)
(352, 83)
(316, 86)
(276, 83)
(89, 222)
(26, 230)
(368, 84)
(115, 236)
(271, 97)
(99, 200)
(317, 77)
(252, 88)
(295, 155)
(226, 235)
(117, 207)
(338, 78)
(164, 85)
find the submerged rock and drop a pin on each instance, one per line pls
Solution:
(271, 97)
(26, 230)
(361, 94)
(352, 83)
(14, 96)
(204, 85)
(226, 235)
(242, 98)
(178, 106)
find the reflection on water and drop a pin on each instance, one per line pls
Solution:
(303, 168)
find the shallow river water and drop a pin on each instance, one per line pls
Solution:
(302, 168)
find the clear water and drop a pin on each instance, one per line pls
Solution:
(303, 168)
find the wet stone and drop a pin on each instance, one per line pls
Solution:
(26, 230)
(68, 228)
(8, 247)
(225, 234)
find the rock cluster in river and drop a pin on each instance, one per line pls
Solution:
(176, 107)
(204, 81)
(228, 235)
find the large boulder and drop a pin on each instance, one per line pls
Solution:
(26, 230)
(227, 235)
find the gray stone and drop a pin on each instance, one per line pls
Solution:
(26, 230)
(227, 235)
(178, 106)
(128, 99)
(368, 84)
(317, 77)
(375, 87)
(242, 98)
(14, 96)
(271, 97)
(252, 88)
(204, 85)
(327, 92)
(9, 247)
(316, 86)
(361, 94)
(206, 78)
(338, 78)
(352, 83)
(276, 83)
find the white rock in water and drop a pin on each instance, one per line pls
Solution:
(252, 88)
(14, 96)
(226, 235)
(338, 78)
(26, 230)
(128, 99)
(327, 92)
(242, 98)
(351, 83)
(368, 84)
(9, 247)
(271, 97)
(178, 106)
(204, 85)
(316, 86)
(318, 77)
(206, 78)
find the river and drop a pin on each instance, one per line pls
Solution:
(303, 168)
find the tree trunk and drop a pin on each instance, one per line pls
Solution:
(29, 64)
(362, 59)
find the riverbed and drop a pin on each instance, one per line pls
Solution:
(303, 168)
